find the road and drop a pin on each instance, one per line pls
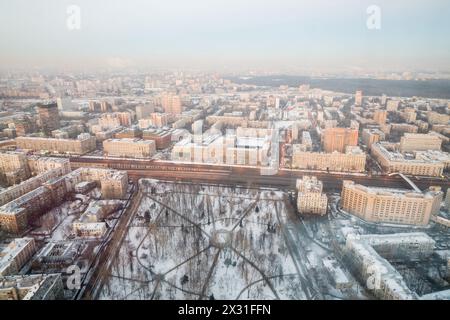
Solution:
(109, 250)
(232, 175)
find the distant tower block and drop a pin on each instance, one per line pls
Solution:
(358, 98)
(48, 117)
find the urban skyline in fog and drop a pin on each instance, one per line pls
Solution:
(273, 35)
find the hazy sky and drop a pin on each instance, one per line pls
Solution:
(297, 34)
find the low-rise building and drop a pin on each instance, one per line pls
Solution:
(371, 136)
(162, 138)
(437, 118)
(392, 161)
(83, 144)
(90, 223)
(15, 255)
(354, 160)
(15, 216)
(39, 165)
(32, 287)
(129, 148)
(13, 167)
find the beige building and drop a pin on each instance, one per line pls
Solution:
(171, 104)
(129, 148)
(338, 139)
(15, 215)
(358, 98)
(396, 206)
(91, 222)
(83, 144)
(159, 120)
(409, 115)
(32, 287)
(370, 254)
(392, 161)
(14, 167)
(310, 199)
(438, 118)
(26, 186)
(231, 149)
(15, 255)
(114, 120)
(40, 165)
(371, 136)
(354, 160)
(392, 105)
(155, 119)
(419, 142)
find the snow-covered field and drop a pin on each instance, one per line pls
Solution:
(202, 241)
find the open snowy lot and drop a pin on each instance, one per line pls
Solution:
(205, 241)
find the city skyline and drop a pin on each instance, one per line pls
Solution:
(231, 150)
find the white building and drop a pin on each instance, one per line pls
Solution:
(310, 198)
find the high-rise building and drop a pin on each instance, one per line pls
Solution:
(144, 110)
(380, 117)
(337, 139)
(171, 104)
(48, 117)
(358, 98)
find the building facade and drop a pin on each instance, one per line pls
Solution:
(83, 144)
(354, 160)
(396, 206)
(394, 162)
(14, 256)
(337, 139)
(48, 117)
(310, 199)
(419, 142)
(129, 148)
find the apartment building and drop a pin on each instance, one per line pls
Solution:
(83, 144)
(337, 139)
(419, 142)
(392, 161)
(385, 205)
(129, 148)
(310, 199)
(16, 214)
(15, 255)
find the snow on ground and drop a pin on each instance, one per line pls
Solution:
(198, 241)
